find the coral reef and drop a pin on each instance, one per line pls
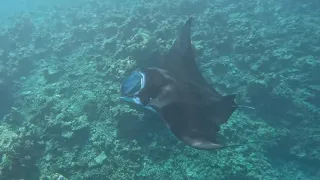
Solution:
(61, 67)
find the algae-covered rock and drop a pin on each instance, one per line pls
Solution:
(98, 160)
(55, 176)
(7, 139)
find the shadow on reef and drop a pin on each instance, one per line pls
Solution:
(6, 100)
(16, 59)
(21, 162)
(142, 130)
(151, 135)
(282, 152)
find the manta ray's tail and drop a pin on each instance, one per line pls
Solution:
(229, 146)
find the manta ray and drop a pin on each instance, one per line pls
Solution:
(180, 95)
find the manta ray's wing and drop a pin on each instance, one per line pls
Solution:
(180, 60)
(197, 125)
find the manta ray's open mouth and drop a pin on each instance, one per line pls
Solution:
(131, 86)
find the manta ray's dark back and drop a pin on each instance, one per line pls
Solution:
(177, 91)
(192, 109)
